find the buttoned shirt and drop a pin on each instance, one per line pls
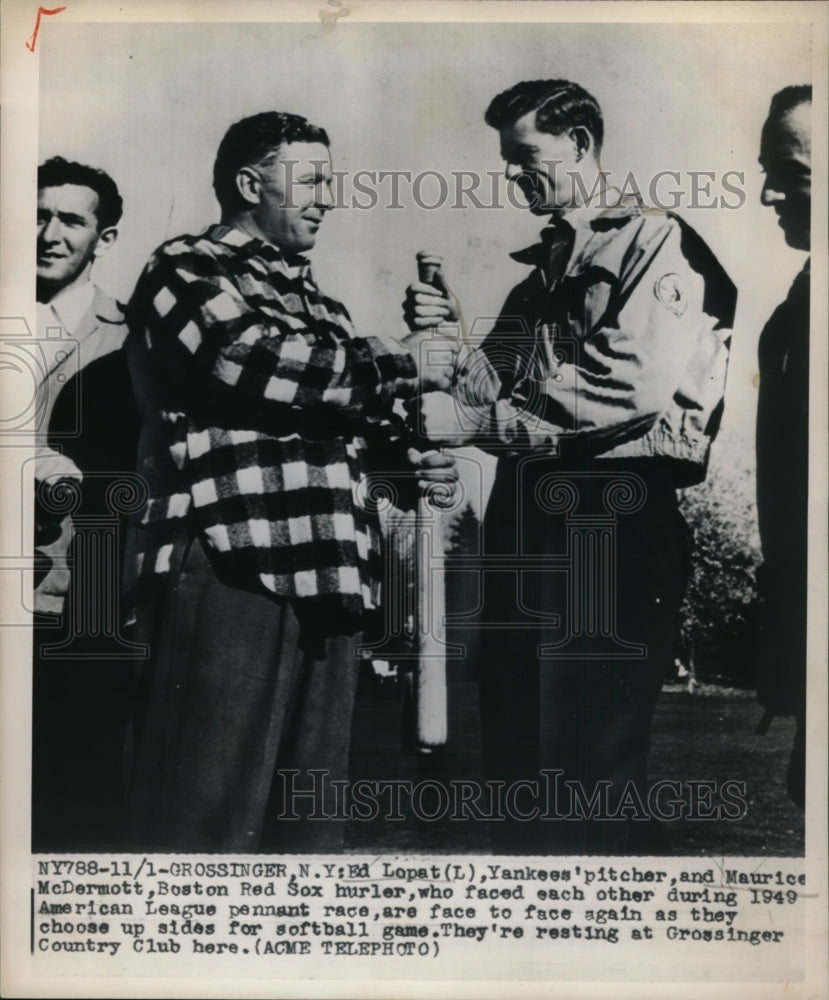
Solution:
(58, 321)
(259, 406)
(67, 308)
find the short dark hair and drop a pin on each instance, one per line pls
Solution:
(789, 98)
(250, 140)
(57, 171)
(558, 104)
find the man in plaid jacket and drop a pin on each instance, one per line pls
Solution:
(255, 559)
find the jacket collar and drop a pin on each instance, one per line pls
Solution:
(106, 308)
(256, 247)
(71, 305)
(585, 220)
(92, 330)
(77, 308)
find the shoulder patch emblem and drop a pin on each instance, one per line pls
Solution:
(670, 292)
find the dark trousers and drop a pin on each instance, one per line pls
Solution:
(567, 694)
(781, 654)
(80, 711)
(229, 704)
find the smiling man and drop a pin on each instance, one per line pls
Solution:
(87, 430)
(552, 153)
(78, 209)
(255, 560)
(600, 388)
(783, 430)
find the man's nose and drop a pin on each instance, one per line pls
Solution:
(325, 197)
(771, 195)
(51, 231)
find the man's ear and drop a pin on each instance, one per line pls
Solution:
(249, 185)
(583, 141)
(106, 238)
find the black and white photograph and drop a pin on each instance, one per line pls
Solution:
(414, 499)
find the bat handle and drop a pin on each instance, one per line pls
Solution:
(430, 270)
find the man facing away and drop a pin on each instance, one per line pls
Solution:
(783, 431)
(256, 561)
(86, 434)
(600, 389)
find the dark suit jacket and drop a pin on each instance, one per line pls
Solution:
(91, 419)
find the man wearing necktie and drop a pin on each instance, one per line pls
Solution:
(600, 389)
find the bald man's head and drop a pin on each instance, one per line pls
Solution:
(786, 158)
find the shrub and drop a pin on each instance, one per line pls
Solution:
(719, 607)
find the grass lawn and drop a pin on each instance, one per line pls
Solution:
(711, 737)
(702, 737)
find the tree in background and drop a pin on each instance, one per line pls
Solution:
(721, 601)
(463, 532)
(462, 537)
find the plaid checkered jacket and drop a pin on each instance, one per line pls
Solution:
(260, 411)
